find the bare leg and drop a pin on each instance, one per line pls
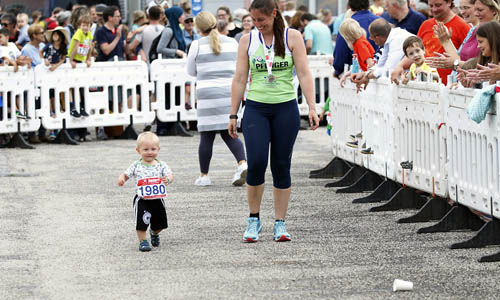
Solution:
(141, 235)
(254, 194)
(281, 199)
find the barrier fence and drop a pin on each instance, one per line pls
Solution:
(112, 93)
(423, 139)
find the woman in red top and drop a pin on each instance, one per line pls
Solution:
(355, 36)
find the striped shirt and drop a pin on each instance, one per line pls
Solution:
(214, 74)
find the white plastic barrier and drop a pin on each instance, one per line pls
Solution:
(171, 80)
(111, 91)
(321, 72)
(420, 138)
(171, 83)
(17, 91)
(346, 120)
(378, 109)
(473, 151)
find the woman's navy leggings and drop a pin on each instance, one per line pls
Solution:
(206, 145)
(275, 124)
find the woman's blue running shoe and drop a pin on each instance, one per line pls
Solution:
(254, 227)
(280, 234)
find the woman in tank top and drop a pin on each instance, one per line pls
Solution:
(271, 116)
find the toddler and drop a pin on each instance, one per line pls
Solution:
(414, 49)
(355, 37)
(151, 178)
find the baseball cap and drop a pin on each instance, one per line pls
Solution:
(99, 8)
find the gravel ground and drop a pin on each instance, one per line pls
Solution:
(68, 233)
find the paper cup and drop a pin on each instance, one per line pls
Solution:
(401, 285)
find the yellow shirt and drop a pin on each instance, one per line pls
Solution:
(424, 67)
(82, 42)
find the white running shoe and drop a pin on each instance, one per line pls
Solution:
(203, 181)
(240, 177)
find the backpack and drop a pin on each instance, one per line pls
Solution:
(153, 53)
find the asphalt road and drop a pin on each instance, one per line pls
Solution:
(68, 233)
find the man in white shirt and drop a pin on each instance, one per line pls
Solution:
(150, 32)
(391, 39)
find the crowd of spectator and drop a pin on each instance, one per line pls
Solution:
(451, 39)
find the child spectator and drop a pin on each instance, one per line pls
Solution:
(22, 25)
(10, 55)
(79, 51)
(414, 49)
(488, 42)
(54, 55)
(151, 178)
(55, 51)
(8, 50)
(355, 37)
(81, 42)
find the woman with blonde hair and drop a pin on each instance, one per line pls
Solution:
(212, 60)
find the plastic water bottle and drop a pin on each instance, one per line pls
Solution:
(355, 64)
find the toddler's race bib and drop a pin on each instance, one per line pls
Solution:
(151, 188)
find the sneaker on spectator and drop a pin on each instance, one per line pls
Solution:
(353, 144)
(280, 234)
(74, 113)
(19, 115)
(366, 151)
(240, 177)
(155, 238)
(356, 136)
(147, 128)
(254, 227)
(144, 246)
(52, 135)
(188, 106)
(203, 181)
(101, 135)
(83, 113)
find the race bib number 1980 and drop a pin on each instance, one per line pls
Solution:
(151, 188)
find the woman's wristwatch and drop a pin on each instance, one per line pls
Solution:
(233, 117)
(455, 64)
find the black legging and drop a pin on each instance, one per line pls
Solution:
(206, 144)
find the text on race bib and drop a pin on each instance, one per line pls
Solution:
(83, 49)
(151, 188)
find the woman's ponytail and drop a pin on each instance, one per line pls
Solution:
(215, 41)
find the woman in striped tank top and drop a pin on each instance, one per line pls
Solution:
(271, 115)
(212, 59)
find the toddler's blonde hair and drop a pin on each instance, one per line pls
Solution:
(147, 136)
(351, 31)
